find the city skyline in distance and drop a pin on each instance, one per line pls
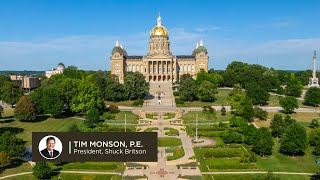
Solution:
(38, 35)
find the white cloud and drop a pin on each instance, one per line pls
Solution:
(207, 28)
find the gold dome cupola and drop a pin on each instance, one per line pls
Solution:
(159, 30)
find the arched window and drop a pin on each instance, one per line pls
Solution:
(185, 68)
(189, 68)
(130, 67)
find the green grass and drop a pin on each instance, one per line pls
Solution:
(253, 177)
(171, 131)
(151, 116)
(150, 129)
(218, 140)
(169, 115)
(120, 103)
(169, 142)
(94, 166)
(18, 167)
(25, 129)
(191, 177)
(280, 162)
(131, 118)
(177, 153)
(203, 117)
(71, 176)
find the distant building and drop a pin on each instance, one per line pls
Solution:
(26, 82)
(59, 70)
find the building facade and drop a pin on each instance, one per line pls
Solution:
(159, 64)
(58, 70)
(25, 82)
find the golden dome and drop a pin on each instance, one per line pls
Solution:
(159, 30)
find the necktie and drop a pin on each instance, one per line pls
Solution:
(51, 154)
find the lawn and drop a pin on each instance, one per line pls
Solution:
(171, 131)
(120, 103)
(71, 176)
(17, 167)
(151, 129)
(221, 99)
(94, 166)
(131, 118)
(169, 115)
(303, 117)
(204, 117)
(151, 116)
(253, 177)
(24, 129)
(176, 153)
(169, 142)
(280, 162)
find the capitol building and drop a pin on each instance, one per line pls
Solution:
(159, 64)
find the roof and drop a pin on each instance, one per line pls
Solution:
(185, 56)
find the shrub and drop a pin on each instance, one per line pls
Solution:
(179, 102)
(42, 170)
(25, 110)
(138, 102)
(108, 115)
(176, 93)
(221, 153)
(232, 137)
(113, 108)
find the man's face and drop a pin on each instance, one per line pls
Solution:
(50, 144)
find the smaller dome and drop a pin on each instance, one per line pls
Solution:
(199, 50)
(60, 66)
(119, 50)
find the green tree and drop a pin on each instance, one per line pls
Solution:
(88, 97)
(314, 123)
(25, 110)
(4, 159)
(73, 128)
(113, 108)
(206, 91)
(257, 94)
(294, 87)
(188, 88)
(223, 111)
(135, 86)
(289, 104)
(314, 137)
(11, 145)
(1, 111)
(42, 170)
(242, 105)
(11, 93)
(260, 113)
(277, 125)
(100, 80)
(263, 142)
(312, 97)
(74, 73)
(238, 124)
(51, 101)
(294, 140)
(232, 137)
(316, 150)
(250, 134)
(114, 91)
(92, 117)
(68, 88)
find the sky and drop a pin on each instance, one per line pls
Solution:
(39, 34)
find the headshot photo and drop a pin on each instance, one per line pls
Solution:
(50, 147)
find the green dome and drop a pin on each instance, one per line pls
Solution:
(120, 50)
(199, 50)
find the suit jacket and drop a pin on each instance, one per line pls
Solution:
(46, 154)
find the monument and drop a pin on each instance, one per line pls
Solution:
(314, 82)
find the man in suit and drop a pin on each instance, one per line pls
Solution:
(50, 152)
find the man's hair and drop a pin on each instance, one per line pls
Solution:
(50, 138)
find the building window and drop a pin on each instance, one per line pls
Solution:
(201, 65)
(192, 67)
(180, 68)
(189, 68)
(169, 69)
(185, 68)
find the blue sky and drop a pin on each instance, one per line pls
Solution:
(38, 34)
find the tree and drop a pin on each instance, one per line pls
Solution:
(260, 113)
(250, 134)
(73, 128)
(316, 150)
(188, 88)
(258, 95)
(314, 123)
(114, 91)
(51, 101)
(73, 72)
(294, 140)
(289, 104)
(1, 111)
(263, 142)
(206, 91)
(135, 86)
(68, 88)
(238, 124)
(88, 97)
(232, 137)
(242, 106)
(294, 87)
(223, 111)
(314, 137)
(11, 145)
(312, 97)
(11, 93)
(4, 159)
(113, 108)
(277, 125)
(25, 110)
(42, 170)
(92, 117)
